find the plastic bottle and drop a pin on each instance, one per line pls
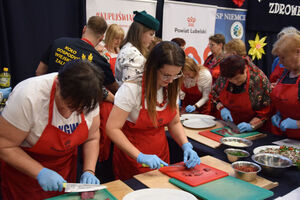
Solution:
(5, 78)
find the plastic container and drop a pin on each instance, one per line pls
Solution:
(5, 78)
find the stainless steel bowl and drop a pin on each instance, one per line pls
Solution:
(272, 164)
(231, 154)
(236, 142)
(243, 174)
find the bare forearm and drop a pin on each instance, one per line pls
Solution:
(90, 154)
(19, 159)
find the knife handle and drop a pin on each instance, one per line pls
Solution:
(145, 165)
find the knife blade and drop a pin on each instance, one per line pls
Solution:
(232, 126)
(79, 187)
(161, 165)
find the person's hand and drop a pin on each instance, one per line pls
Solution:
(244, 127)
(190, 157)
(49, 180)
(288, 123)
(190, 108)
(5, 92)
(89, 178)
(153, 161)
(226, 115)
(276, 119)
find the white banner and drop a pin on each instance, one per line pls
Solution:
(192, 22)
(119, 11)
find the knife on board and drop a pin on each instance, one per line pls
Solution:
(230, 125)
(79, 187)
(161, 165)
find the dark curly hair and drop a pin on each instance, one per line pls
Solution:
(232, 65)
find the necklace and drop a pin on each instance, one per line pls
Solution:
(163, 103)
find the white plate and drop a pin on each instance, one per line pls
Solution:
(199, 123)
(258, 149)
(193, 116)
(159, 194)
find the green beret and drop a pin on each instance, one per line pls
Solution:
(146, 19)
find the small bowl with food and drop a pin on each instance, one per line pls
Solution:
(236, 142)
(235, 154)
(245, 170)
(272, 164)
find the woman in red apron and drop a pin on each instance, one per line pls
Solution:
(138, 130)
(242, 93)
(286, 94)
(196, 88)
(40, 170)
(216, 45)
(113, 38)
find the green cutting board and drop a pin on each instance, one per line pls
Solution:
(227, 188)
(240, 135)
(99, 195)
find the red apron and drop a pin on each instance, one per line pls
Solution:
(276, 74)
(105, 108)
(285, 99)
(213, 67)
(192, 96)
(112, 62)
(55, 150)
(146, 138)
(238, 104)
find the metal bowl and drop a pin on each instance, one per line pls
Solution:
(232, 154)
(272, 164)
(236, 142)
(244, 174)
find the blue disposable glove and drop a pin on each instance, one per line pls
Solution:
(5, 92)
(276, 119)
(226, 115)
(288, 123)
(190, 108)
(89, 178)
(153, 161)
(244, 127)
(190, 157)
(49, 180)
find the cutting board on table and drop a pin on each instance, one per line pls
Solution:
(211, 135)
(99, 195)
(227, 188)
(226, 132)
(198, 175)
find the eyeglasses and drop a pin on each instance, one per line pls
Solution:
(166, 77)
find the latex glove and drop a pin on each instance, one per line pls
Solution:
(226, 115)
(190, 157)
(244, 127)
(49, 180)
(190, 108)
(89, 178)
(153, 161)
(276, 119)
(288, 123)
(5, 92)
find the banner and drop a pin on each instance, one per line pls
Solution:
(192, 22)
(119, 11)
(272, 15)
(231, 23)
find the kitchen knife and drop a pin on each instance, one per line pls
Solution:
(232, 126)
(161, 165)
(79, 187)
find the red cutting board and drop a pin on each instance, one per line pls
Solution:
(200, 174)
(211, 135)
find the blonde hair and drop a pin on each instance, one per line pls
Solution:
(113, 31)
(134, 36)
(236, 45)
(288, 43)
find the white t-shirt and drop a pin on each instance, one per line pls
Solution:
(128, 98)
(28, 105)
(203, 81)
(129, 64)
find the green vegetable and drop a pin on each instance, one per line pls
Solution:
(237, 153)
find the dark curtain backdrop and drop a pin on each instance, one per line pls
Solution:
(28, 27)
